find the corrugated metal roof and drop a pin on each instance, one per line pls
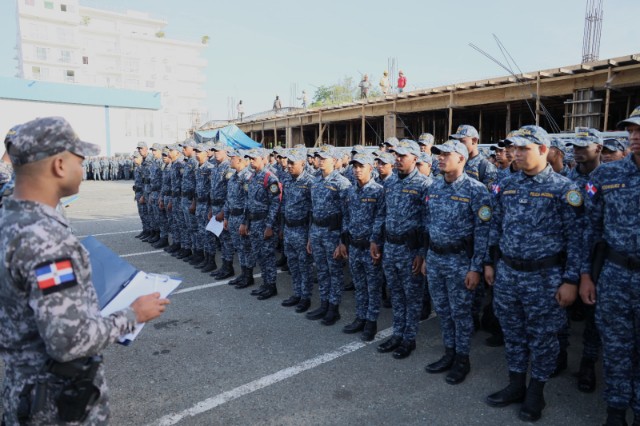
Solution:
(42, 91)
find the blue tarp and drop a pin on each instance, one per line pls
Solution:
(231, 135)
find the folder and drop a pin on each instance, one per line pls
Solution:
(118, 283)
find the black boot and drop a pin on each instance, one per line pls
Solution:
(172, 248)
(248, 279)
(155, 237)
(459, 370)
(405, 349)
(204, 262)
(319, 313)
(281, 262)
(211, 265)
(140, 235)
(348, 287)
(370, 330)
(587, 375)
(531, 410)
(258, 291)
(198, 256)
(390, 344)
(183, 253)
(356, 326)
(514, 392)
(291, 301)
(561, 363)
(495, 340)
(146, 235)
(332, 315)
(237, 280)
(162, 243)
(271, 291)
(443, 364)
(190, 254)
(617, 417)
(225, 272)
(303, 306)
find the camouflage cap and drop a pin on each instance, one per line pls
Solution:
(255, 153)
(278, 150)
(300, 145)
(452, 146)
(362, 158)
(233, 152)
(386, 158)
(189, 142)
(529, 134)
(156, 147)
(200, 148)
(426, 139)
(634, 118)
(296, 154)
(311, 152)
(392, 142)
(559, 144)
(465, 131)
(326, 151)
(174, 147)
(498, 147)
(586, 136)
(358, 149)
(142, 144)
(10, 135)
(44, 137)
(406, 146)
(616, 144)
(220, 146)
(136, 155)
(424, 157)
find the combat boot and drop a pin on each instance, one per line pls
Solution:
(172, 248)
(146, 235)
(534, 403)
(356, 326)
(303, 306)
(140, 235)
(211, 265)
(459, 370)
(514, 392)
(237, 280)
(617, 417)
(184, 254)
(270, 291)
(281, 262)
(561, 363)
(405, 349)
(587, 375)
(370, 330)
(198, 256)
(291, 301)
(319, 313)
(203, 262)
(190, 254)
(390, 344)
(162, 243)
(248, 279)
(443, 364)
(155, 237)
(225, 272)
(332, 315)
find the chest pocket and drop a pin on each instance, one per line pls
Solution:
(444, 209)
(529, 212)
(622, 204)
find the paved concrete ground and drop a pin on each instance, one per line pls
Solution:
(220, 357)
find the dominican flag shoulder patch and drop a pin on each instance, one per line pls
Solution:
(55, 276)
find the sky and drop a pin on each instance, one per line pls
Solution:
(260, 49)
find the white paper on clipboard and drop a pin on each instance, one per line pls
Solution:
(215, 226)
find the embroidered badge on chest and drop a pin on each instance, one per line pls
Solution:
(484, 213)
(574, 198)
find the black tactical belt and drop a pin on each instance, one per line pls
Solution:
(331, 221)
(257, 216)
(445, 250)
(218, 202)
(296, 223)
(396, 239)
(534, 265)
(361, 243)
(188, 194)
(176, 193)
(203, 199)
(628, 262)
(236, 212)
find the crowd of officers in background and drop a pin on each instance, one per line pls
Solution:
(117, 167)
(420, 224)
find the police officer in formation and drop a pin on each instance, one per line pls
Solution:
(520, 238)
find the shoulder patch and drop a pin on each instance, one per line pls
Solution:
(574, 198)
(55, 275)
(228, 175)
(484, 213)
(274, 189)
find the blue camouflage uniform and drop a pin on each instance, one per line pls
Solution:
(190, 228)
(138, 188)
(234, 213)
(261, 211)
(296, 210)
(364, 203)
(328, 195)
(177, 170)
(457, 216)
(155, 185)
(535, 228)
(104, 167)
(202, 190)
(166, 218)
(403, 226)
(613, 197)
(218, 193)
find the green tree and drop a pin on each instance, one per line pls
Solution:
(345, 90)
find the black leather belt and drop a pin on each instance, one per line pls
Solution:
(296, 223)
(257, 216)
(628, 262)
(333, 221)
(218, 202)
(396, 239)
(187, 194)
(176, 193)
(236, 212)
(202, 199)
(361, 243)
(534, 265)
(445, 250)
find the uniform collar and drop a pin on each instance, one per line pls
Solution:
(28, 206)
(540, 177)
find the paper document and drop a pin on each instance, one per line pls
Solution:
(215, 226)
(141, 284)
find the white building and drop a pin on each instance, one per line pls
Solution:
(64, 42)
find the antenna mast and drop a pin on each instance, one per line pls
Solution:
(592, 31)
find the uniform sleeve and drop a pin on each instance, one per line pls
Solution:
(345, 185)
(490, 175)
(426, 222)
(346, 220)
(378, 221)
(67, 314)
(572, 215)
(593, 220)
(273, 193)
(495, 226)
(481, 205)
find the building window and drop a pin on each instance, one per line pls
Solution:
(41, 53)
(85, 60)
(35, 73)
(70, 76)
(48, 5)
(63, 7)
(65, 56)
